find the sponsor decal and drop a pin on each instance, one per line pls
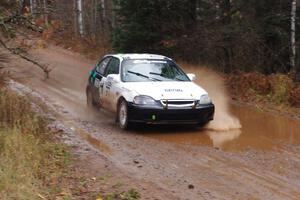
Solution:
(173, 90)
(97, 83)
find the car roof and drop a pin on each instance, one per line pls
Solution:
(139, 56)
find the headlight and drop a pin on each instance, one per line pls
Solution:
(204, 100)
(144, 100)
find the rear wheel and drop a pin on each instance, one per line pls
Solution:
(123, 116)
(89, 99)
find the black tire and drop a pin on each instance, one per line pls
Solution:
(202, 124)
(89, 99)
(123, 115)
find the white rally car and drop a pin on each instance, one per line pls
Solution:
(147, 88)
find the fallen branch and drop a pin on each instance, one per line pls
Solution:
(45, 68)
(19, 18)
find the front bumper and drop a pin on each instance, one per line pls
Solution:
(161, 115)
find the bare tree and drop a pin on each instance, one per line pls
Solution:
(80, 17)
(103, 4)
(293, 38)
(45, 11)
(31, 6)
(14, 51)
(75, 18)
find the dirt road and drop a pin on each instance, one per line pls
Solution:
(259, 161)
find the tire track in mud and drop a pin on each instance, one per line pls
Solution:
(253, 178)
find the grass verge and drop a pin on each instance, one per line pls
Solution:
(35, 165)
(30, 159)
(273, 92)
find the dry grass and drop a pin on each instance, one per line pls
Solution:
(30, 159)
(275, 88)
(3, 61)
(91, 48)
(16, 112)
(21, 158)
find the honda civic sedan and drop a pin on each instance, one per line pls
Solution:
(147, 88)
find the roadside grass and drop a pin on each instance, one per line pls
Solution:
(31, 161)
(35, 166)
(131, 194)
(275, 92)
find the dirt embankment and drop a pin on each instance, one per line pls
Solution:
(275, 92)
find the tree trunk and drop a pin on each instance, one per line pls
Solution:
(45, 12)
(75, 21)
(80, 17)
(31, 7)
(103, 4)
(227, 11)
(293, 39)
(95, 17)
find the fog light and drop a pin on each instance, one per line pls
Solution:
(153, 117)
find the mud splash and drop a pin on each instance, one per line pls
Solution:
(215, 86)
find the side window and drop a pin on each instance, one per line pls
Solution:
(101, 66)
(113, 67)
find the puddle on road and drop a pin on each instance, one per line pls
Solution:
(262, 131)
(96, 143)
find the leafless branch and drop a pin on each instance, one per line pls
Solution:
(45, 68)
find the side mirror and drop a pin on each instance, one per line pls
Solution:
(114, 78)
(192, 77)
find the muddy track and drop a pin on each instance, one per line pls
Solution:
(259, 161)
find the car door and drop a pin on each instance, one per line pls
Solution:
(109, 87)
(97, 79)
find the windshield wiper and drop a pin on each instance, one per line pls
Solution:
(158, 74)
(154, 73)
(178, 79)
(142, 75)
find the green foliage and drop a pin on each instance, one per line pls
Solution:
(143, 25)
(230, 35)
(6, 28)
(29, 158)
(281, 86)
(131, 194)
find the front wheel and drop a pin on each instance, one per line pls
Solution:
(123, 116)
(202, 124)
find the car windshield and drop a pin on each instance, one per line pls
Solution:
(136, 70)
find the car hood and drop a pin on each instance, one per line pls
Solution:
(167, 90)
